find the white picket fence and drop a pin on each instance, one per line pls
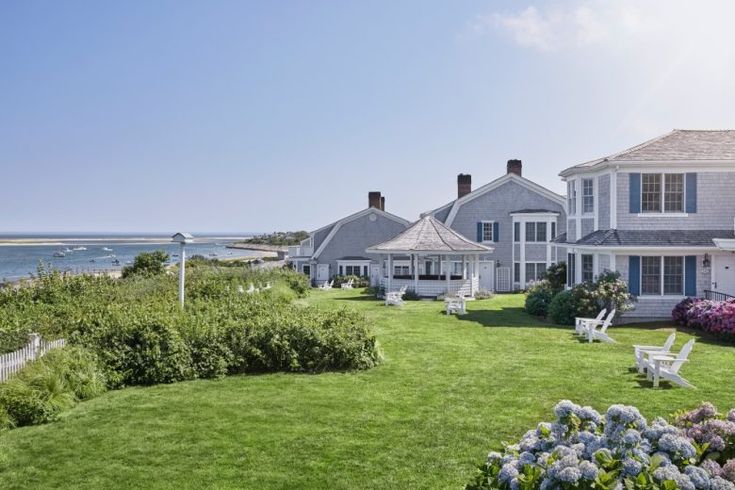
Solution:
(14, 361)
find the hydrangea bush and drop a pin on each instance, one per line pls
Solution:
(716, 317)
(620, 450)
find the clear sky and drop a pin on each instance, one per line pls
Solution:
(257, 116)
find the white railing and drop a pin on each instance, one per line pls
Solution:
(13, 362)
(429, 288)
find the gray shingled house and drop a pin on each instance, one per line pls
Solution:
(339, 248)
(661, 214)
(518, 217)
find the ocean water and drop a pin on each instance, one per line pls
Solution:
(20, 255)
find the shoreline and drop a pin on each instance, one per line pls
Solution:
(63, 241)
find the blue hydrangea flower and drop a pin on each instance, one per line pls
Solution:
(719, 483)
(564, 409)
(507, 472)
(677, 446)
(631, 437)
(631, 467)
(589, 470)
(699, 477)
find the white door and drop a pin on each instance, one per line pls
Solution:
(724, 274)
(375, 275)
(487, 275)
(322, 272)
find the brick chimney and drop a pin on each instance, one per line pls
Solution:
(382, 203)
(464, 185)
(374, 199)
(515, 167)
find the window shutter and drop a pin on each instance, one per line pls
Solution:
(690, 275)
(634, 275)
(496, 231)
(691, 193)
(479, 231)
(634, 191)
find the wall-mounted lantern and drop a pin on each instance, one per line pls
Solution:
(706, 261)
(183, 239)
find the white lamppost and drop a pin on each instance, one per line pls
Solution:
(183, 239)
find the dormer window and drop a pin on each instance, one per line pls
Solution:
(662, 193)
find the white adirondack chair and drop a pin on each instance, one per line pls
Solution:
(580, 324)
(348, 284)
(667, 367)
(456, 306)
(267, 285)
(395, 298)
(641, 351)
(240, 289)
(251, 289)
(601, 334)
(327, 284)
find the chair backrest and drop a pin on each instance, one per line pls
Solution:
(601, 314)
(683, 356)
(669, 343)
(608, 321)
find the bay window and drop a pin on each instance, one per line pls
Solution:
(535, 231)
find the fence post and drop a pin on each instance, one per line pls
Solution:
(34, 342)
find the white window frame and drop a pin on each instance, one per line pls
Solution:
(492, 226)
(590, 196)
(581, 266)
(343, 264)
(572, 198)
(662, 293)
(664, 212)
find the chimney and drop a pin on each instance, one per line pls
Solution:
(464, 185)
(382, 203)
(515, 167)
(374, 199)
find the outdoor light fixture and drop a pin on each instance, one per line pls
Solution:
(183, 239)
(706, 261)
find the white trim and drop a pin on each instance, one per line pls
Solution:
(544, 214)
(627, 250)
(510, 177)
(353, 217)
(492, 231)
(653, 165)
(614, 199)
(662, 294)
(727, 244)
(654, 214)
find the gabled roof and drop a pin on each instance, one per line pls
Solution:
(509, 177)
(687, 145)
(429, 235)
(338, 224)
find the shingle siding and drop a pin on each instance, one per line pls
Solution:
(603, 202)
(715, 206)
(535, 252)
(588, 226)
(442, 214)
(572, 231)
(495, 206)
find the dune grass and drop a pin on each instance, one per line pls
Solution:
(449, 390)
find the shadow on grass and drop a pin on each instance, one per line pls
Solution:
(507, 317)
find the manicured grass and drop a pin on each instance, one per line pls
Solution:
(450, 389)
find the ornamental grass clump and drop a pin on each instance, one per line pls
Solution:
(584, 449)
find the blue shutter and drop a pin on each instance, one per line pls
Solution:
(691, 193)
(634, 275)
(479, 231)
(496, 231)
(634, 193)
(690, 275)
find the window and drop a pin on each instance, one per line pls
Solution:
(571, 269)
(651, 275)
(662, 274)
(401, 270)
(428, 267)
(516, 232)
(674, 275)
(306, 269)
(517, 272)
(535, 231)
(588, 268)
(535, 271)
(588, 198)
(662, 193)
(572, 197)
(487, 231)
(353, 270)
(457, 268)
(553, 230)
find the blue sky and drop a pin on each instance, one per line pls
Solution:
(239, 116)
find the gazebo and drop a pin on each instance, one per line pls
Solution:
(431, 259)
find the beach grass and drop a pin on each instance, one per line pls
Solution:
(449, 390)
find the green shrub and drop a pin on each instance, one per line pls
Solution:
(147, 264)
(411, 295)
(562, 308)
(538, 297)
(556, 275)
(46, 387)
(357, 281)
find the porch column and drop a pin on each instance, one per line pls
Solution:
(416, 273)
(471, 275)
(390, 272)
(446, 272)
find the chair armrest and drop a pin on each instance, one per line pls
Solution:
(668, 359)
(647, 347)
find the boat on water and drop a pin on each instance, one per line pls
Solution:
(115, 262)
(106, 249)
(79, 249)
(59, 253)
(67, 250)
(92, 261)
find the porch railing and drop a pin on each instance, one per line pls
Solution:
(717, 296)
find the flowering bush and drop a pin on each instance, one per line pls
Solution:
(587, 299)
(716, 317)
(583, 449)
(538, 297)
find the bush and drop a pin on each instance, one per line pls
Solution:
(715, 317)
(357, 281)
(45, 387)
(562, 308)
(538, 297)
(147, 264)
(556, 274)
(583, 449)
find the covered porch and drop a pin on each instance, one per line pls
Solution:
(431, 260)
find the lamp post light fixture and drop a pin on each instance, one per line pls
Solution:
(183, 239)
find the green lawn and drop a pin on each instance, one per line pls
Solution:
(449, 390)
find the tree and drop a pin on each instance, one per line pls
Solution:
(147, 264)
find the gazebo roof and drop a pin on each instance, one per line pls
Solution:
(431, 236)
